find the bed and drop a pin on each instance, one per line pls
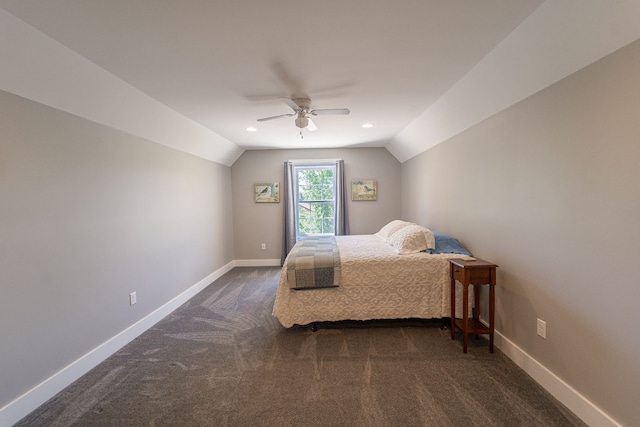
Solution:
(401, 272)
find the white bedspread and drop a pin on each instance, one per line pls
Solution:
(376, 283)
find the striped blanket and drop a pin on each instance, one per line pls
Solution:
(314, 263)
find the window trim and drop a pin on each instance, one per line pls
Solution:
(312, 165)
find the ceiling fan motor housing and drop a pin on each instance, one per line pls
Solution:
(302, 103)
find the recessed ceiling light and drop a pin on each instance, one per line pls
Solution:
(252, 129)
(367, 125)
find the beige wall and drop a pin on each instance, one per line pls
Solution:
(257, 223)
(89, 214)
(549, 190)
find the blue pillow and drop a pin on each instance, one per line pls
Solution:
(447, 245)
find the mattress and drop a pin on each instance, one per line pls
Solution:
(376, 283)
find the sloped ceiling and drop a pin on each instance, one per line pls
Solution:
(194, 75)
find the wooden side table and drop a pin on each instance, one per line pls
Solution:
(475, 273)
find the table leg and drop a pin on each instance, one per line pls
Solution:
(492, 314)
(453, 307)
(476, 300)
(465, 315)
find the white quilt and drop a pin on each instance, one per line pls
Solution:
(376, 283)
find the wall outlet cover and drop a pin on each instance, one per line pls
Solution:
(542, 328)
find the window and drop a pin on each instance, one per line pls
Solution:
(315, 199)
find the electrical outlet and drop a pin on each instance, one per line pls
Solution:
(264, 246)
(133, 298)
(542, 328)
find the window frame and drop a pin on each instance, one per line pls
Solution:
(316, 165)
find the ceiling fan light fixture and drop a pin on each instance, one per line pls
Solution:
(302, 122)
(251, 129)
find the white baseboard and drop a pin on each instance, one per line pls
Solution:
(257, 262)
(29, 401)
(570, 397)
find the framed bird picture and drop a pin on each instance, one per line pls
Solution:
(267, 192)
(364, 189)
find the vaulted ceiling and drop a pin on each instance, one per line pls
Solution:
(196, 74)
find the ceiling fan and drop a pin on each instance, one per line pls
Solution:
(302, 110)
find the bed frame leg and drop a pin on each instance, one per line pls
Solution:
(445, 322)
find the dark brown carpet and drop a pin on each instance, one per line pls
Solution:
(222, 360)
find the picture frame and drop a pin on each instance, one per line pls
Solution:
(267, 192)
(364, 190)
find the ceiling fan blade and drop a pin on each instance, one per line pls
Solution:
(330, 111)
(264, 119)
(311, 126)
(290, 103)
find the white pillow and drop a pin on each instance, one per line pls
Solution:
(395, 225)
(412, 239)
